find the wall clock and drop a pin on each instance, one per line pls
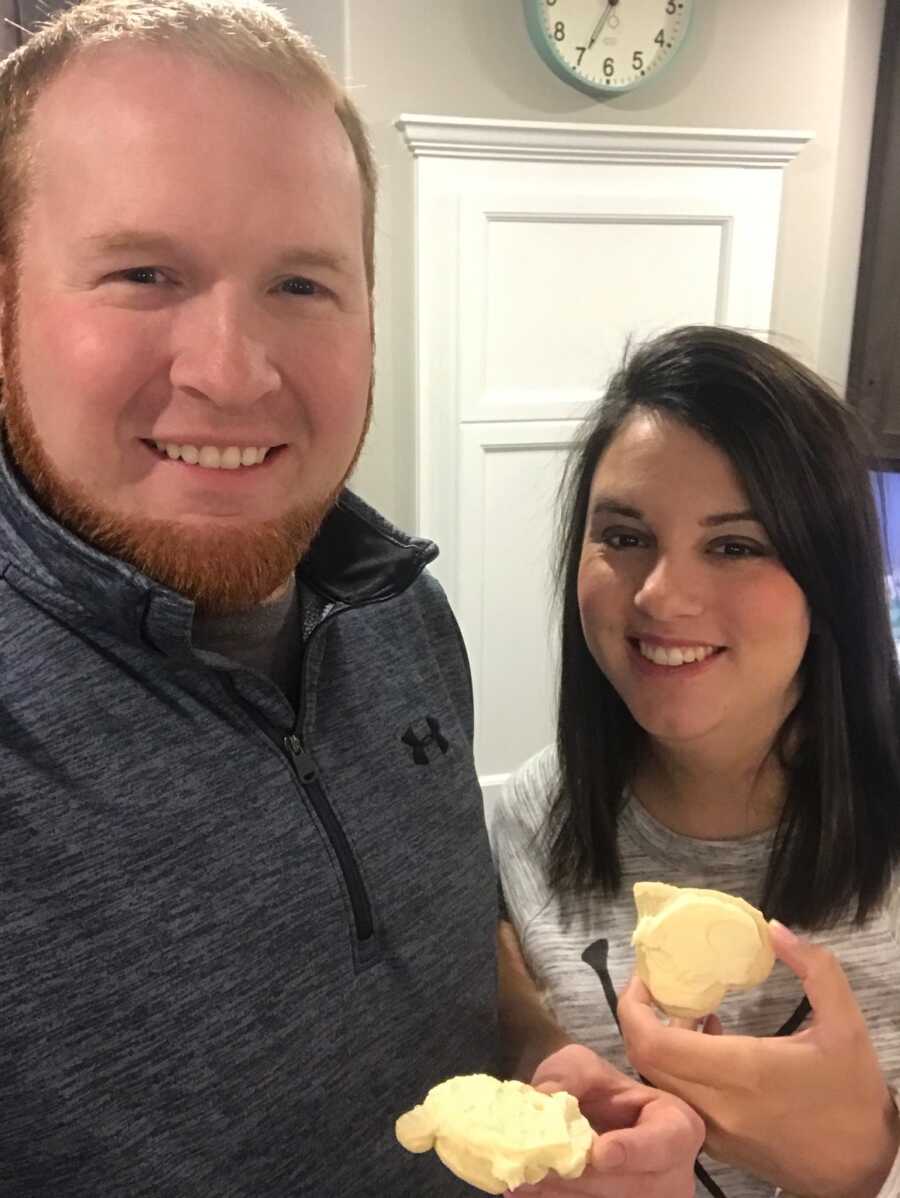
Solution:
(604, 47)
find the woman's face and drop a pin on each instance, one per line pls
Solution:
(685, 606)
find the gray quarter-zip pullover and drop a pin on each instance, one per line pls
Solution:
(235, 942)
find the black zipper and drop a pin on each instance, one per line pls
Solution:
(308, 778)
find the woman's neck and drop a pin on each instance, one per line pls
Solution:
(712, 793)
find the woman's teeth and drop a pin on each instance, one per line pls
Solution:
(212, 457)
(677, 656)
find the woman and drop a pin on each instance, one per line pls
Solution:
(729, 705)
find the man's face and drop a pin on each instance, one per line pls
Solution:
(190, 276)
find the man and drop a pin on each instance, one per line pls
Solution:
(247, 904)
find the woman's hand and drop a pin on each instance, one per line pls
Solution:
(810, 1112)
(647, 1141)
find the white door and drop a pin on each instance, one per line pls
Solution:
(541, 248)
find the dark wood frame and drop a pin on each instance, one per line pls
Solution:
(874, 375)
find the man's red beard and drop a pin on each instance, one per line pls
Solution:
(222, 570)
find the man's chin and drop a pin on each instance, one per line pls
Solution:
(222, 566)
(222, 569)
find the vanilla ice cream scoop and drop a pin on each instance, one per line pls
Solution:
(693, 946)
(498, 1135)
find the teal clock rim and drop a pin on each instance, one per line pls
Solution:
(562, 70)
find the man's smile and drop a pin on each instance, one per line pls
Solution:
(214, 457)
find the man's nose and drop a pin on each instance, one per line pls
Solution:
(671, 589)
(221, 353)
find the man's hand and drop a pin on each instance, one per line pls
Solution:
(645, 1144)
(810, 1112)
(528, 1031)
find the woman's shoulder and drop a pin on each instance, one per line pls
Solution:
(519, 835)
(891, 906)
(539, 774)
(525, 799)
(531, 789)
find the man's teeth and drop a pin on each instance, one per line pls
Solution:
(212, 457)
(677, 656)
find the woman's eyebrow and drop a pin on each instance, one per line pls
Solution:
(607, 504)
(611, 506)
(730, 518)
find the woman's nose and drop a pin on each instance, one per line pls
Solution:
(670, 590)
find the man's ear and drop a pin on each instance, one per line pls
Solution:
(4, 266)
(3, 270)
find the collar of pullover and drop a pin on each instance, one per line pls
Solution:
(358, 557)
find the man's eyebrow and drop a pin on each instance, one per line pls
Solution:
(608, 505)
(292, 257)
(129, 240)
(302, 257)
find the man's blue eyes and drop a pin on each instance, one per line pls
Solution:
(299, 286)
(145, 275)
(148, 276)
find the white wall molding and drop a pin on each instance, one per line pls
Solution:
(557, 141)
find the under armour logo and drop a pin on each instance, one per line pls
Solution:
(422, 734)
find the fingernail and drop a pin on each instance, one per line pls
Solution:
(612, 1156)
(786, 933)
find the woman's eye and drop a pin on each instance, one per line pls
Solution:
(738, 549)
(623, 540)
(300, 286)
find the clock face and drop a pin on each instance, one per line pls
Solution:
(604, 46)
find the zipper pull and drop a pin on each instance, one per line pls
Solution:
(303, 763)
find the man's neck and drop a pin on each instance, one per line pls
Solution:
(280, 592)
(267, 638)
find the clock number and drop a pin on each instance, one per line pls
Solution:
(660, 38)
(559, 31)
(582, 50)
(637, 60)
(671, 7)
(609, 68)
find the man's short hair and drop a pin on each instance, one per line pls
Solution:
(246, 36)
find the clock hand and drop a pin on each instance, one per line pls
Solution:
(598, 28)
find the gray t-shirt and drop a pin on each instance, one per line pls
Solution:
(555, 928)
(268, 638)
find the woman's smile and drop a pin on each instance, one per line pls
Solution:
(683, 659)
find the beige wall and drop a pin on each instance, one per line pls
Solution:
(778, 64)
